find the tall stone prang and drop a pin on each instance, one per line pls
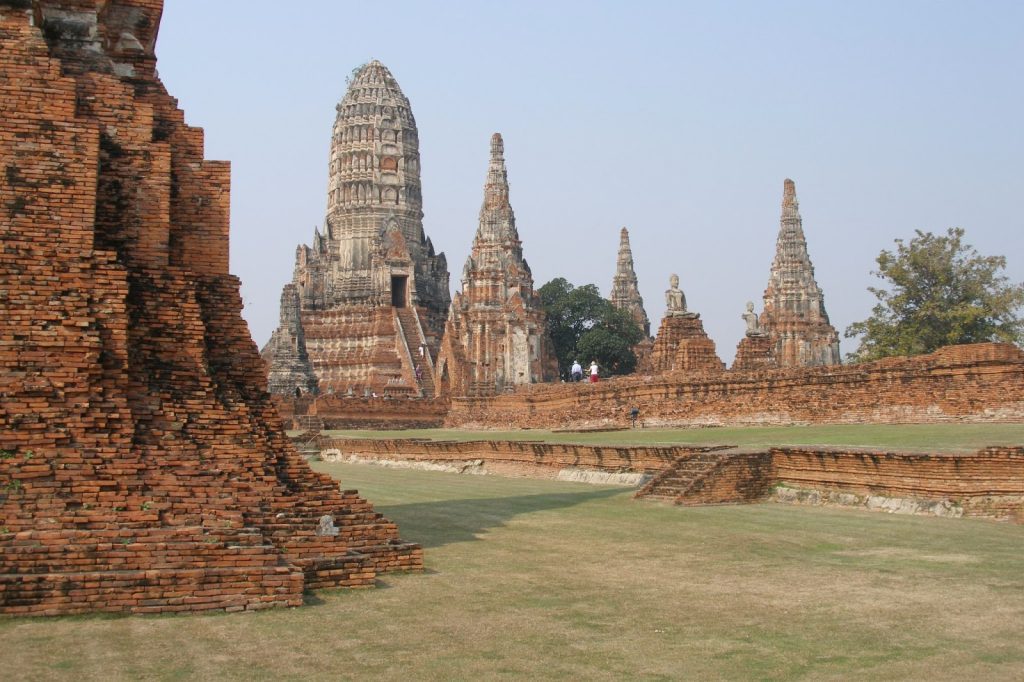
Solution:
(496, 335)
(625, 293)
(369, 291)
(794, 316)
(143, 466)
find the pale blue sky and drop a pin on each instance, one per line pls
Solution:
(678, 120)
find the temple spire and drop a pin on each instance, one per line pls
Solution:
(625, 292)
(794, 306)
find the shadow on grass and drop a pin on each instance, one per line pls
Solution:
(435, 524)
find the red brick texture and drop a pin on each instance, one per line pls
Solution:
(142, 464)
(989, 483)
(974, 383)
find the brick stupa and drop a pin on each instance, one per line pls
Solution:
(142, 465)
(496, 336)
(681, 345)
(369, 291)
(794, 316)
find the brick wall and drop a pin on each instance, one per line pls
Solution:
(972, 383)
(554, 456)
(143, 466)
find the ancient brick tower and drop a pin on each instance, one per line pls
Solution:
(794, 316)
(495, 337)
(625, 289)
(369, 291)
(142, 465)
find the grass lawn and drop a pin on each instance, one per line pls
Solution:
(944, 437)
(535, 579)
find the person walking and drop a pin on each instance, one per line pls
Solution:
(593, 372)
(577, 371)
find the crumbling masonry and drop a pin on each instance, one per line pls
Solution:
(142, 465)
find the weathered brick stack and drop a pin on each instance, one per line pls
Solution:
(972, 383)
(682, 345)
(754, 352)
(142, 464)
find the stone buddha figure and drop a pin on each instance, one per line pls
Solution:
(675, 300)
(750, 317)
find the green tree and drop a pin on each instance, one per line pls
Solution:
(940, 291)
(584, 326)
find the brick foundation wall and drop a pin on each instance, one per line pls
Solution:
(972, 383)
(616, 459)
(143, 467)
(988, 483)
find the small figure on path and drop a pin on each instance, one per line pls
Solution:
(419, 373)
(633, 414)
(577, 371)
(593, 372)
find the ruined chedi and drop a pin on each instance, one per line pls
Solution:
(495, 337)
(794, 317)
(368, 299)
(625, 293)
(143, 467)
(681, 345)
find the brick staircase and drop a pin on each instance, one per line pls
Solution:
(411, 329)
(686, 472)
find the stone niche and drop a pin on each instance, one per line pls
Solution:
(143, 467)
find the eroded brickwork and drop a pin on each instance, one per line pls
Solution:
(142, 465)
(972, 383)
(496, 336)
(682, 345)
(988, 483)
(370, 290)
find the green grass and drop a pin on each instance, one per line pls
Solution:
(534, 579)
(944, 437)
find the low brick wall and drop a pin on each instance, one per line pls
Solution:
(554, 456)
(988, 483)
(972, 383)
(344, 412)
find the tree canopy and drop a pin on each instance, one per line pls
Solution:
(939, 291)
(585, 327)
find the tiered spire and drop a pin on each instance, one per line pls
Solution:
(625, 293)
(496, 246)
(794, 306)
(496, 333)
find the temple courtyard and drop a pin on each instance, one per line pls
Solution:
(546, 579)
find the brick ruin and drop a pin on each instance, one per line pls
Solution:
(143, 467)
(495, 337)
(988, 483)
(369, 297)
(794, 318)
(973, 383)
(681, 345)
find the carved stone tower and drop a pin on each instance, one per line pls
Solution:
(794, 316)
(496, 336)
(625, 293)
(370, 290)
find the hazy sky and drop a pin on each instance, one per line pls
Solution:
(678, 120)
